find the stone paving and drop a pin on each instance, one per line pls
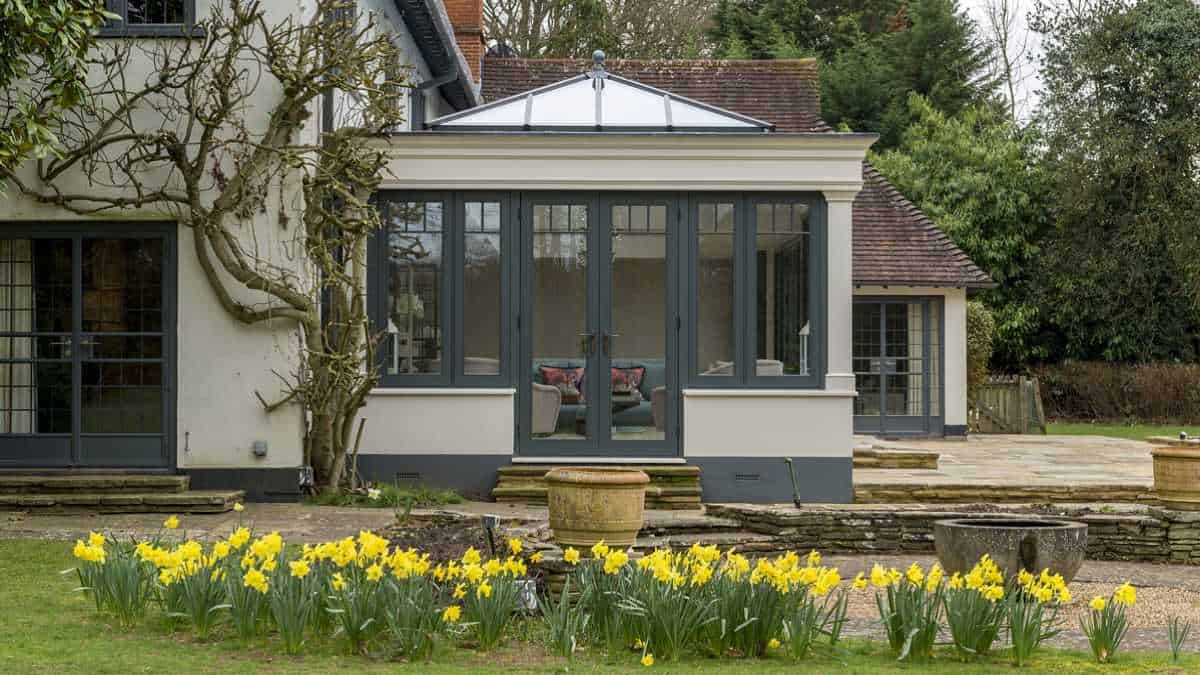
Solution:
(1020, 460)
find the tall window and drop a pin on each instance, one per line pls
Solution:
(439, 272)
(415, 286)
(757, 266)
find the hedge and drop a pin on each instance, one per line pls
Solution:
(1152, 393)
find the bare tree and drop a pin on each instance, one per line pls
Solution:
(214, 129)
(624, 28)
(1010, 50)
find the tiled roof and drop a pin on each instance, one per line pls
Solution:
(894, 243)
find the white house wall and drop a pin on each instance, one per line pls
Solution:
(220, 363)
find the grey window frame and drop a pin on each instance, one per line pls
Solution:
(451, 300)
(746, 292)
(122, 28)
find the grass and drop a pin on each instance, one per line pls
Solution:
(392, 496)
(1137, 432)
(49, 629)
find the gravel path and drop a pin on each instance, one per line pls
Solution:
(1164, 591)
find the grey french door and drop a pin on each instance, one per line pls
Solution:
(86, 347)
(897, 353)
(597, 323)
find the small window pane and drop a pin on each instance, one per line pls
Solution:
(637, 218)
(620, 218)
(782, 298)
(151, 12)
(482, 283)
(715, 291)
(658, 218)
(473, 217)
(415, 276)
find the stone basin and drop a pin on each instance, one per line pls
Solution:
(1030, 544)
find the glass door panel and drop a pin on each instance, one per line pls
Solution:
(35, 352)
(634, 341)
(122, 395)
(561, 332)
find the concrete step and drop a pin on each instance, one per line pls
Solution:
(189, 501)
(91, 483)
(672, 486)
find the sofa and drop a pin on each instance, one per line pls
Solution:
(551, 411)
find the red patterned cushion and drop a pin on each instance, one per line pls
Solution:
(628, 379)
(568, 380)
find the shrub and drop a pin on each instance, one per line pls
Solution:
(981, 332)
(1163, 393)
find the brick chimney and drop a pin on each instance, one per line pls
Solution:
(466, 17)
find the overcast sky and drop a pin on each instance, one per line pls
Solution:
(1021, 36)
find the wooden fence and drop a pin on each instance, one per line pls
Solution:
(1008, 404)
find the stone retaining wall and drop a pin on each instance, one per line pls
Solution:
(1117, 532)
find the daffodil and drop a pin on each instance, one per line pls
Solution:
(571, 556)
(238, 507)
(95, 539)
(451, 614)
(484, 590)
(471, 557)
(171, 523)
(374, 572)
(1097, 604)
(255, 579)
(299, 568)
(600, 549)
(460, 591)
(860, 582)
(647, 660)
(338, 582)
(536, 558)
(774, 644)
(514, 545)
(1125, 594)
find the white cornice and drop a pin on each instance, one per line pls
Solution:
(830, 163)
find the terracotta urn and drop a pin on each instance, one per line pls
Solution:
(1177, 472)
(588, 504)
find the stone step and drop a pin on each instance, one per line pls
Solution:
(741, 541)
(894, 458)
(966, 493)
(684, 471)
(91, 483)
(664, 492)
(189, 501)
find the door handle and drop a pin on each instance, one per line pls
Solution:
(606, 342)
(588, 343)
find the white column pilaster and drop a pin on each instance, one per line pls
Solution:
(839, 375)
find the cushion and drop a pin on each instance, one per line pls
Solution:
(569, 380)
(626, 380)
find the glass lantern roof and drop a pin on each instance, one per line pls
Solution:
(598, 101)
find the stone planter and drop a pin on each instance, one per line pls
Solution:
(1177, 472)
(589, 504)
(1014, 544)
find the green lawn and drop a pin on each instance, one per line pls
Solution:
(1137, 432)
(48, 629)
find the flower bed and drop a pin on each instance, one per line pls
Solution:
(387, 601)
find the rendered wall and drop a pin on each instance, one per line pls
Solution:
(220, 362)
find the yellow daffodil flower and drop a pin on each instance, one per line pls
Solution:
(1125, 594)
(452, 614)
(514, 545)
(571, 556)
(171, 523)
(299, 568)
(1097, 604)
(648, 660)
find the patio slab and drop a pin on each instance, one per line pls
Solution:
(1020, 461)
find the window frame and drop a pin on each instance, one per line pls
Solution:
(451, 297)
(745, 295)
(121, 27)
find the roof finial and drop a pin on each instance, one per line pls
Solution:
(598, 63)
